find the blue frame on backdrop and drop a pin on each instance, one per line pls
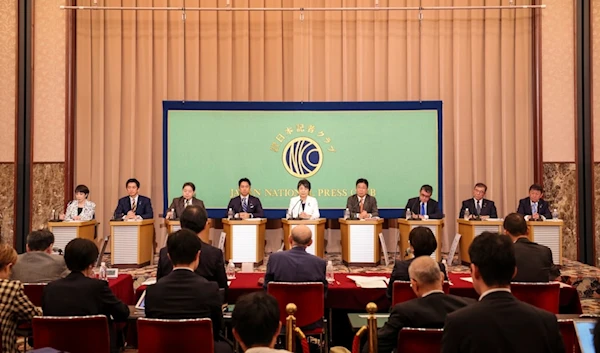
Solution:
(305, 106)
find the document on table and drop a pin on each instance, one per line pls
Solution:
(149, 281)
(562, 285)
(467, 279)
(370, 281)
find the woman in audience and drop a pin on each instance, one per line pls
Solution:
(303, 206)
(80, 209)
(14, 304)
(422, 243)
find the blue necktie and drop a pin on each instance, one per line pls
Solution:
(244, 205)
(534, 208)
(423, 208)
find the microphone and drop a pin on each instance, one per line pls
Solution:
(296, 204)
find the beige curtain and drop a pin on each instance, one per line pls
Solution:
(479, 63)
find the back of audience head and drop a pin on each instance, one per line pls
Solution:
(255, 320)
(194, 218)
(422, 241)
(8, 257)
(183, 248)
(493, 262)
(515, 225)
(40, 240)
(301, 236)
(425, 275)
(81, 255)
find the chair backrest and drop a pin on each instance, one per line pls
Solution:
(191, 335)
(309, 298)
(420, 340)
(73, 334)
(567, 331)
(542, 295)
(34, 292)
(402, 292)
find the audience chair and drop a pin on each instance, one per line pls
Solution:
(420, 340)
(370, 329)
(544, 295)
(309, 298)
(567, 331)
(189, 335)
(34, 292)
(402, 292)
(73, 334)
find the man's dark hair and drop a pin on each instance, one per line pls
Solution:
(362, 180)
(190, 184)
(40, 240)
(494, 256)
(82, 189)
(182, 246)
(244, 180)
(305, 183)
(537, 187)
(515, 224)
(423, 241)
(256, 318)
(133, 180)
(427, 188)
(80, 253)
(193, 218)
(481, 185)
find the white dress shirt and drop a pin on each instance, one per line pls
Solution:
(431, 292)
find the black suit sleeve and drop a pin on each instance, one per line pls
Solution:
(521, 208)
(387, 336)
(374, 210)
(148, 212)
(258, 210)
(547, 213)
(221, 275)
(393, 277)
(493, 211)
(269, 274)
(555, 336)
(112, 305)
(349, 205)
(451, 336)
(119, 210)
(436, 213)
(554, 271)
(461, 214)
(216, 313)
(173, 206)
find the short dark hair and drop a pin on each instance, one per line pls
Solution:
(193, 218)
(182, 246)
(40, 240)
(423, 241)
(82, 189)
(481, 185)
(515, 224)
(244, 180)
(305, 183)
(190, 184)
(494, 256)
(133, 180)
(537, 187)
(427, 188)
(256, 318)
(80, 253)
(362, 180)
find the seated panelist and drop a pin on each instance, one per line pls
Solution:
(479, 206)
(424, 207)
(80, 209)
(535, 207)
(179, 204)
(303, 206)
(362, 205)
(245, 206)
(134, 206)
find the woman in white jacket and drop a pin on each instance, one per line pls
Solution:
(303, 206)
(80, 209)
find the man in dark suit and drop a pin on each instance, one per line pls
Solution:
(188, 198)
(134, 206)
(80, 293)
(534, 261)
(424, 207)
(362, 205)
(211, 264)
(255, 322)
(429, 310)
(499, 322)
(182, 294)
(245, 205)
(535, 207)
(39, 264)
(479, 206)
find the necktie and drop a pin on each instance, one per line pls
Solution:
(133, 205)
(478, 207)
(186, 203)
(534, 208)
(362, 204)
(423, 208)
(244, 205)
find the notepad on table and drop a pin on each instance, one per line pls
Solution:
(370, 281)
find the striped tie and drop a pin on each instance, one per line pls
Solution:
(134, 206)
(244, 205)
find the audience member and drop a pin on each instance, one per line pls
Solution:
(429, 310)
(255, 322)
(422, 243)
(211, 264)
(534, 261)
(39, 264)
(14, 304)
(498, 322)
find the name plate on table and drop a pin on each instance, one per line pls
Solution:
(243, 243)
(313, 230)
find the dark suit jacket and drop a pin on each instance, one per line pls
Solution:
(425, 312)
(177, 204)
(77, 295)
(211, 266)
(295, 265)
(543, 208)
(501, 323)
(143, 207)
(182, 294)
(534, 262)
(254, 206)
(488, 208)
(370, 205)
(400, 273)
(433, 208)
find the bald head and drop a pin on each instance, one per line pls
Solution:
(426, 272)
(301, 235)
